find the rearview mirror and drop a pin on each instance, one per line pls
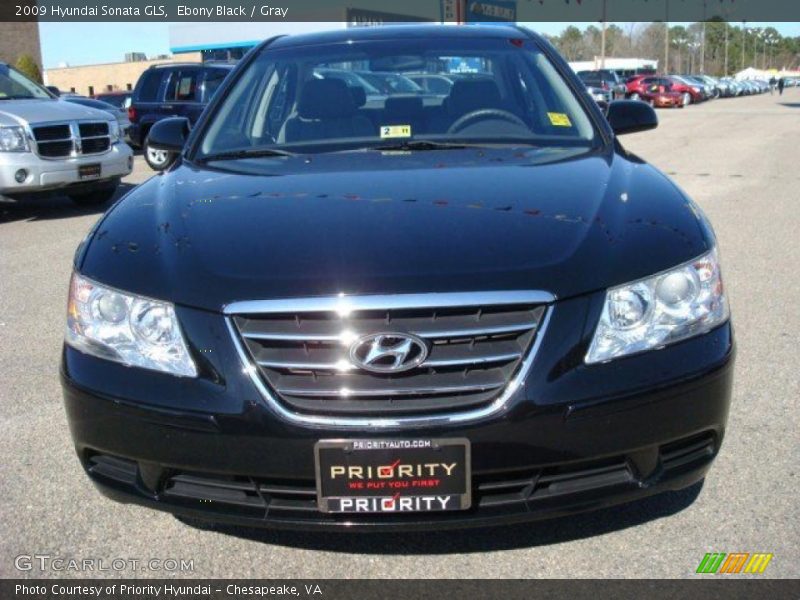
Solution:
(630, 116)
(169, 134)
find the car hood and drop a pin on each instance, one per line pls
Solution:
(20, 112)
(566, 221)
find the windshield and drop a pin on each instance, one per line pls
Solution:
(15, 86)
(365, 94)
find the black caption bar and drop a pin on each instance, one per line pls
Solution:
(371, 12)
(361, 589)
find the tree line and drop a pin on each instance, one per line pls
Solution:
(692, 49)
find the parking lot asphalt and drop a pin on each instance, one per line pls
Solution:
(738, 158)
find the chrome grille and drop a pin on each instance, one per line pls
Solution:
(71, 139)
(476, 345)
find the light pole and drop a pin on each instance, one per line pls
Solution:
(603, 38)
(744, 41)
(725, 70)
(693, 46)
(666, 39)
(755, 47)
(703, 43)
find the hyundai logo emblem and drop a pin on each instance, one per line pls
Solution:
(388, 352)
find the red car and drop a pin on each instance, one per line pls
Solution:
(638, 85)
(659, 97)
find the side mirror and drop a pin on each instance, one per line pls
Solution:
(169, 134)
(630, 116)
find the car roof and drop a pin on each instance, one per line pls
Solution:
(393, 32)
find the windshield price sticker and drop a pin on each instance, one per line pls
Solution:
(559, 119)
(395, 131)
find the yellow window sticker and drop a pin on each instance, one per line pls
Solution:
(559, 119)
(395, 131)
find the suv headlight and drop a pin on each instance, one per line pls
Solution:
(113, 131)
(126, 328)
(650, 313)
(13, 139)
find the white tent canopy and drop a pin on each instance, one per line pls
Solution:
(752, 73)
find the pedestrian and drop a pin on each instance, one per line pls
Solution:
(772, 83)
(781, 84)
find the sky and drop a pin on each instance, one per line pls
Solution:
(86, 43)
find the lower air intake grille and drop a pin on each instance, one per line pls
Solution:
(462, 355)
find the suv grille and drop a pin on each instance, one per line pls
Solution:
(474, 350)
(63, 140)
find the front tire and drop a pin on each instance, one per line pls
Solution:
(634, 96)
(158, 160)
(95, 198)
(687, 98)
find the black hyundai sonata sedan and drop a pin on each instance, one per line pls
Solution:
(350, 308)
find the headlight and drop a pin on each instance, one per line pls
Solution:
(130, 329)
(674, 305)
(113, 131)
(12, 139)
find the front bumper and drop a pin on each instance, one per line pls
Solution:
(667, 102)
(573, 438)
(45, 175)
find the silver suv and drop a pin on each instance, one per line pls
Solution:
(51, 146)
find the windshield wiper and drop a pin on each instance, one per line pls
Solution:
(412, 145)
(246, 153)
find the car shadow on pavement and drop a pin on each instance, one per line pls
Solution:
(52, 207)
(790, 104)
(537, 533)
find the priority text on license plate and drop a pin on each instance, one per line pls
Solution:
(393, 475)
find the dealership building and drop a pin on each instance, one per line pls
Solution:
(18, 39)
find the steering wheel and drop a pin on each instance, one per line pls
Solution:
(484, 114)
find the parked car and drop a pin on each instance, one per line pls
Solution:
(692, 92)
(494, 315)
(118, 99)
(433, 83)
(599, 94)
(120, 114)
(51, 146)
(706, 91)
(605, 79)
(734, 87)
(641, 87)
(711, 84)
(660, 94)
(391, 83)
(171, 90)
(633, 87)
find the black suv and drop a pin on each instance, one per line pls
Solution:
(171, 90)
(604, 79)
(397, 311)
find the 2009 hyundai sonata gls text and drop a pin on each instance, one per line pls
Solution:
(357, 302)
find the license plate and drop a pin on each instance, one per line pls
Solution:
(92, 171)
(392, 475)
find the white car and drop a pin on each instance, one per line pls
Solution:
(48, 146)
